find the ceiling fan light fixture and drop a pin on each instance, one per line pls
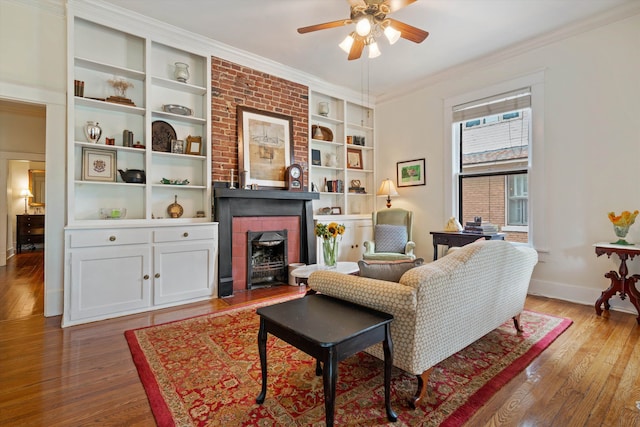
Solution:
(391, 34)
(363, 26)
(347, 43)
(374, 52)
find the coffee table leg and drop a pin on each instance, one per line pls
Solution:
(387, 346)
(262, 350)
(329, 379)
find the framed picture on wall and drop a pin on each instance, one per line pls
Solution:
(265, 146)
(411, 172)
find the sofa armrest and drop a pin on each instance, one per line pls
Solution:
(389, 297)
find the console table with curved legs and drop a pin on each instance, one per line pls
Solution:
(620, 283)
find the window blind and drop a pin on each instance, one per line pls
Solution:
(503, 103)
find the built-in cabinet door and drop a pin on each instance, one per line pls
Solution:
(351, 246)
(109, 280)
(183, 271)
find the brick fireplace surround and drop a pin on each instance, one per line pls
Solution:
(238, 211)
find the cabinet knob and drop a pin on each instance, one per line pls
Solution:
(112, 238)
(146, 277)
(185, 234)
(157, 275)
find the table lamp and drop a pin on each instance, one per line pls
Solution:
(387, 189)
(26, 194)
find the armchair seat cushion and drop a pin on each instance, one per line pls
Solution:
(390, 238)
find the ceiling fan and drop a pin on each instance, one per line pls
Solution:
(371, 19)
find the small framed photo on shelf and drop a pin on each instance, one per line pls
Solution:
(336, 210)
(354, 158)
(411, 172)
(98, 165)
(316, 159)
(194, 145)
(177, 146)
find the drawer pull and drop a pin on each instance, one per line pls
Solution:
(157, 276)
(185, 234)
(146, 277)
(112, 238)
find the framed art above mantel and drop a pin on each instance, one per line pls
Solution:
(265, 146)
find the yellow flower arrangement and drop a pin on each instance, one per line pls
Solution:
(327, 231)
(330, 234)
(625, 219)
(621, 224)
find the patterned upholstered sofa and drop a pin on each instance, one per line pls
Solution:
(441, 307)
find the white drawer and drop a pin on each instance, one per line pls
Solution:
(108, 237)
(184, 234)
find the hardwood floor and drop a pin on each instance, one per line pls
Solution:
(22, 285)
(84, 375)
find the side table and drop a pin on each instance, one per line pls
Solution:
(458, 238)
(620, 283)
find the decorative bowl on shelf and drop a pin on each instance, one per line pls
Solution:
(174, 181)
(113, 213)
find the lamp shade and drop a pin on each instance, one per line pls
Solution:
(387, 188)
(25, 193)
(347, 43)
(392, 34)
(374, 51)
(363, 26)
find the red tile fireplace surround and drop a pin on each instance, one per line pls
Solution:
(242, 225)
(239, 211)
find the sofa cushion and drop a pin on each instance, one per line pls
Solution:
(390, 238)
(390, 271)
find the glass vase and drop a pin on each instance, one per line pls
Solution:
(181, 72)
(621, 233)
(330, 252)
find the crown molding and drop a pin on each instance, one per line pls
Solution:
(619, 13)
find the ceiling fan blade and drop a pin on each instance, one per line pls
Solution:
(397, 4)
(409, 32)
(324, 26)
(356, 48)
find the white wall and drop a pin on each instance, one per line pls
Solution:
(591, 150)
(33, 70)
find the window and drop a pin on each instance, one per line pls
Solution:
(493, 139)
(517, 200)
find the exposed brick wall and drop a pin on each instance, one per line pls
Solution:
(233, 85)
(485, 197)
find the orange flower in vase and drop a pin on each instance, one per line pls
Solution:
(621, 224)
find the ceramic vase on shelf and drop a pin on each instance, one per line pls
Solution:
(323, 108)
(330, 252)
(182, 72)
(92, 131)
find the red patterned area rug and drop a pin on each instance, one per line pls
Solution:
(205, 371)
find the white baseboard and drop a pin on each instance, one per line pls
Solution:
(577, 294)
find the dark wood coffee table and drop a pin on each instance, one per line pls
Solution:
(329, 330)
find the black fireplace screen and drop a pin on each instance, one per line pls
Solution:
(266, 258)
